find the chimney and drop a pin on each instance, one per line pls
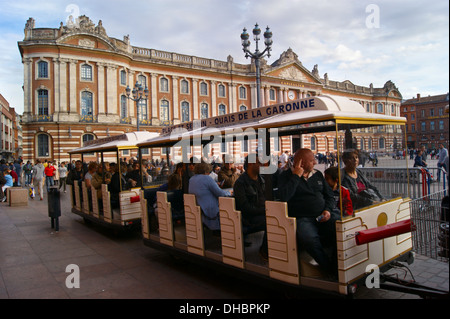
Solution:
(418, 96)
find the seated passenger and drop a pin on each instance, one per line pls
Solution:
(175, 180)
(133, 176)
(118, 184)
(207, 193)
(310, 200)
(332, 178)
(227, 174)
(97, 179)
(249, 193)
(362, 192)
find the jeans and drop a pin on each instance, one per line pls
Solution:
(49, 182)
(28, 177)
(440, 165)
(313, 236)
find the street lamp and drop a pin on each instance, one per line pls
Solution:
(257, 55)
(138, 94)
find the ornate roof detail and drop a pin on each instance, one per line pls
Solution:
(84, 25)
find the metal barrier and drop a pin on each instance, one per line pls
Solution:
(430, 219)
(413, 182)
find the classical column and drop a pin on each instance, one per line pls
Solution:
(57, 82)
(195, 99)
(175, 103)
(154, 99)
(253, 89)
(101, 88)
(73, 107)
(131, 104)
(111, 91)
(213, 98)
(266, 94)
(27, 88)
(232, 97)
(62, 86)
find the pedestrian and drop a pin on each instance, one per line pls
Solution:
(443, 153)
(49, 172)
(9, 182)
(28, 172)
(62, 175)
(38, 178)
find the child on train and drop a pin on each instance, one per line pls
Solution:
(332, 178)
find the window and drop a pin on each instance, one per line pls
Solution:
(184, 111)
(86, 103)
(43, 102)
(42, 69)
(381, 142)
(441, 111)
(123, 77)
(164, 110)
(42, 145)
(86, 72)
(392, 109)
(413, 117)
(88, 137)
(431, 112)
(422, 113)
(221, 90)
(203, 88)
(272, 94)
(361, 143)
(413, 127)
(242, 108)
(142, 106)
(441, 125)
(379, 108)
(123, 107)
(432, 126)
(368, 108)
(184, 87)
(204, 111)
(222, 109)
(242, 93)
(423, 126)
(313, 143)
(223, 147)
(164, 85)
(142, 80)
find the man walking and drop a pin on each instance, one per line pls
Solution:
(443, 153)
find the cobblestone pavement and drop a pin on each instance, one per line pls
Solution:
(33, 261)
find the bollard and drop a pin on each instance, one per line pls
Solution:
(54, 206)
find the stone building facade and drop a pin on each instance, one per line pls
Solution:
(11, 132)
(75, 78)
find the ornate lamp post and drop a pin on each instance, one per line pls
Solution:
(257, 55)
(138, 94)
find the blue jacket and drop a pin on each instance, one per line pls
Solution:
(207, 193)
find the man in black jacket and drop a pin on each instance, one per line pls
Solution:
(249, 194)
(310, 200)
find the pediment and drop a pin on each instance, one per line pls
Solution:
(85, 40)
(293, 72)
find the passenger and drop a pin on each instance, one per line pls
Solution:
(97, 180)
(227, 175)
(92, 169)
(175, 181)
(214, 173)
(133, 177)
(249, 193)
(207, 193)
(118, 184)
(310, 200)
(362, 192)
(188, 173)
(332, 178)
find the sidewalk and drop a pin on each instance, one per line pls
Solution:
(33, 261)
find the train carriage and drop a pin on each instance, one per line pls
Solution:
(372, 236)
(95, 204)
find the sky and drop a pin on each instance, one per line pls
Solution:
(374, 41)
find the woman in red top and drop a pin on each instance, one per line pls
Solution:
(49, 172)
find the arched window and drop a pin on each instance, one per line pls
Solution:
(242, 108)
(164, 85)
(380, 108)
(142, 80)
(222, 109)
(203, 88)
(204, 111)
(381, 142)
(184, 87)
(185, 111)
(88, 137)
(242, 92)
(123, 77)
(43, 102)
(42, 69)
(43, 148)
(142, 105)
(313, 143)
(164, 110)
(123, 107)
(221, 90)
(86, 103)
(86, 72)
